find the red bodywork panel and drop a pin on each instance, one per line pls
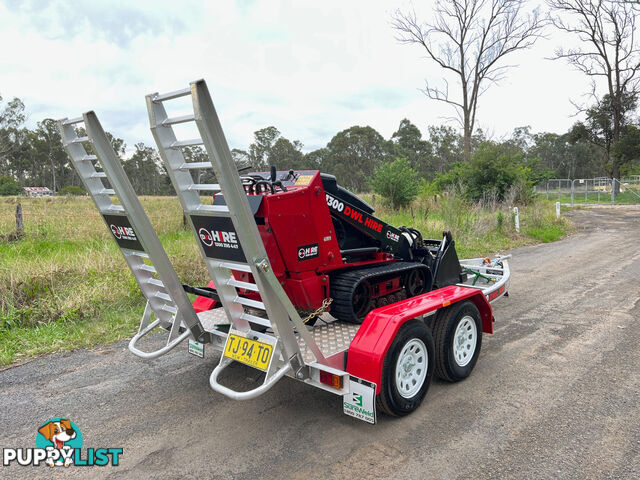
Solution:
(370, 345)
(298, 234)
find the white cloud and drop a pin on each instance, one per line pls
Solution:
(308, 68)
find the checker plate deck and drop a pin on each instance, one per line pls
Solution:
(332, 337)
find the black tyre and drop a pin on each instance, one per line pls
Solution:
(457, 334)
(407, 370)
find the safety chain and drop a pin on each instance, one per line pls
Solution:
(319, 311)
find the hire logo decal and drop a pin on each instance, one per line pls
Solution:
(123, 233)
(393, 236)
(59, 443)
(308, 251)
(352, 214)
(218, 238)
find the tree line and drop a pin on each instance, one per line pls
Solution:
(36, 157)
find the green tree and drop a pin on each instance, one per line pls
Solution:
(259, 150)
(286, 155)
(8, 186)
(446, 147)
(627, 150)
(599, 128)
(493, 170)
(408, 143)
(317, 160)
(271, 148)
(12, 136)
(568, 157)
(195, 154)
(397, 182)
(353, 155)
(49, 152)
(609, 54)
(117, 143)
(240, 157)
(143, 169)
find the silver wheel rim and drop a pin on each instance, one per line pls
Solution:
(411, 368)
(465, 340)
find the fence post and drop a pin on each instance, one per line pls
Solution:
(572, 190)
(613, 191)
(557, 209)
(516, 218)
(19, 220)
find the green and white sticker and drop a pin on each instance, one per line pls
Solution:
(360, 402)
(196, 348)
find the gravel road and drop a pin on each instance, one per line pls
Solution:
(555, 394)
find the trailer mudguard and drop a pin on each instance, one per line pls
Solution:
(370, 345)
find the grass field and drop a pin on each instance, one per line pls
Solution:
(64, 284)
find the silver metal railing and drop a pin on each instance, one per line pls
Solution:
(598, 190)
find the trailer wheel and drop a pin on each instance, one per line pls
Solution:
(457, 333)
(407, 370)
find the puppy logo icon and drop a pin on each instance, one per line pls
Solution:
(60, 437)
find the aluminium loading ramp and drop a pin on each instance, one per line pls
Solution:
(134, 235)
(229, 241)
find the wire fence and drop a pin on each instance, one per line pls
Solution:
(587, 191)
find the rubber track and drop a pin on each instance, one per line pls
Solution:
(343, 285)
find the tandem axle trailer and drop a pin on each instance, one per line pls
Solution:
(383, 362)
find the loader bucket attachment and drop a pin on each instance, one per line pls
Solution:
(446, 266)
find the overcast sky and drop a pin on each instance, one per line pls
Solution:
(309, 68)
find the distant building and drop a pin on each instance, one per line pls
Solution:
(37, 191)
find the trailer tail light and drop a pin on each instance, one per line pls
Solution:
(331, 379)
